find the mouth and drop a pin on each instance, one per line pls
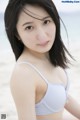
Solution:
(43, 44)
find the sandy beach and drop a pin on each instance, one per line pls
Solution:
(7, 63)
(6, 102)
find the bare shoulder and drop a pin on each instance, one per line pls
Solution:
(62, 74)
(22, 75)
(23, 91)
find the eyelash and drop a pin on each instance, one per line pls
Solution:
(28, 28)
(45, 23)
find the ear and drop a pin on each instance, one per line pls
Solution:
(17, 36)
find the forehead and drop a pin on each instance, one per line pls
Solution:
(33, 10)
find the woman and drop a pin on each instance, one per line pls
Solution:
(39, 83)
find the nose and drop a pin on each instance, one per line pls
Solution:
(42, 35)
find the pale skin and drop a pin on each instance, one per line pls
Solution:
(27, 86)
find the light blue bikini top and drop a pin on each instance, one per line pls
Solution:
(54, 98)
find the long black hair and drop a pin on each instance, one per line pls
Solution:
(57, 53)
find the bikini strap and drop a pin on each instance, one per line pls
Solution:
(68, 81)
(31, 65)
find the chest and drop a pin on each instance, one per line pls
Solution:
(52, 100)
(42, 86)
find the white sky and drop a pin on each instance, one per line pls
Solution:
(65, 7)
(3, 4)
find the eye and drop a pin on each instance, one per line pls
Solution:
(47, 21)
(29, 28)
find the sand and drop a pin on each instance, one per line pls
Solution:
(7, 63)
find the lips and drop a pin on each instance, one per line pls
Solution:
(43, 44)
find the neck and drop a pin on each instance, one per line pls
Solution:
(36, 55)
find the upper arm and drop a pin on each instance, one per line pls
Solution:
(73, 107)
(23, 91)
(64, 77)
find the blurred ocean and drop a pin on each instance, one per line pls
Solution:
(71, 21)
(4, 44)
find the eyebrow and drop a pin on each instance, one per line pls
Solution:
(36, 18)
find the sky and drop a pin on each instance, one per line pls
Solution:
(67, 6)
(61, 7)
(3, 4)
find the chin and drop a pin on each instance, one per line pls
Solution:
(44, 50)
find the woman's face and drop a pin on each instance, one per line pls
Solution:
(37, 35)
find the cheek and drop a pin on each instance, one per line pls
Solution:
(24, 36)
(52, 31)
(28, 40)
